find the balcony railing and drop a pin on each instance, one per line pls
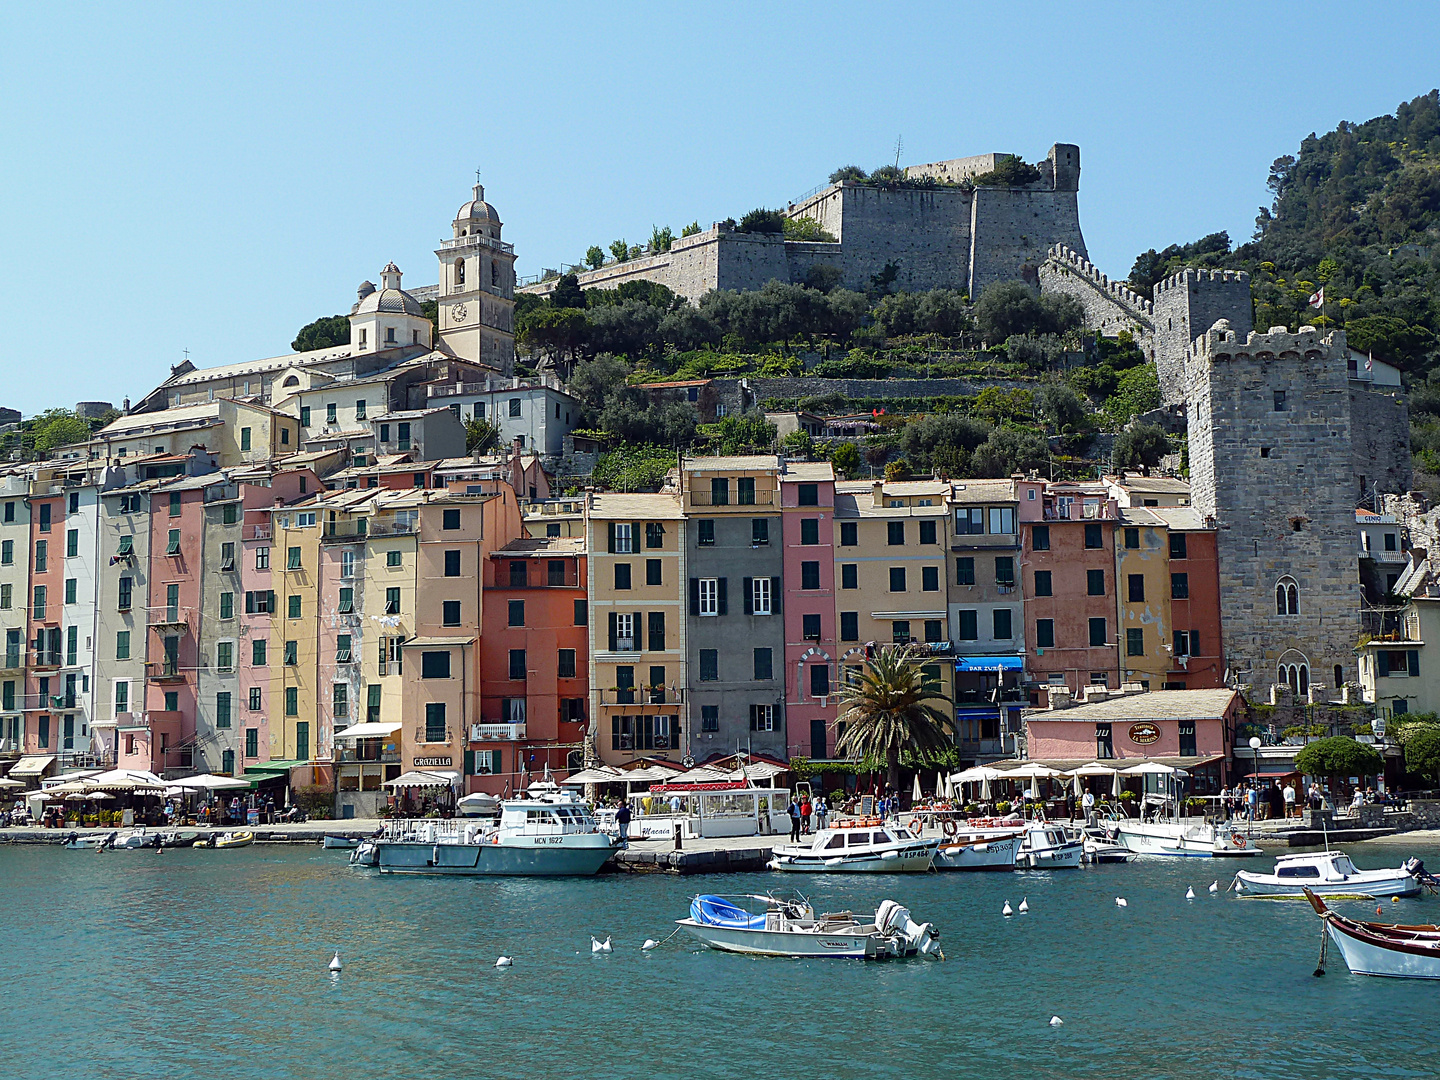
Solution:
(164, 615)
(543, 580)
(1076, 512)
(422, 735)
(394, 528)
(344, 536)
(660, 695)
(496, 732)
(700, 497)
(362, 753)
(255, 532)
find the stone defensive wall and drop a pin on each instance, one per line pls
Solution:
(1110, 306)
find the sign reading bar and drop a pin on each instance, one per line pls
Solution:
(431, 762)
(1144, 734)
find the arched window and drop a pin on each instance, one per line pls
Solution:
(1287, 597)
(292, 380)
(459, 271)
(1294, 674)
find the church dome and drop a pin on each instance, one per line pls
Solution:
(478, 210)
(389, 299)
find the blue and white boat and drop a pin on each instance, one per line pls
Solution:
(790, 927)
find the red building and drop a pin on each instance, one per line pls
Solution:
(1198, 658)
(534, 664)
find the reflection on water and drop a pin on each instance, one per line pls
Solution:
(214, 963)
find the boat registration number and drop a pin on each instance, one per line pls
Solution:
(549, 839)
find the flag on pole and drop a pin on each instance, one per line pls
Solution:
(1370, 362)
(1317, 299)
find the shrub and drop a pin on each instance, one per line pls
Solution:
(761, 220)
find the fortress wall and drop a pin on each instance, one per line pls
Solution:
(1110, 306)
(1380, 442)
(1013, 229)
(925, 232)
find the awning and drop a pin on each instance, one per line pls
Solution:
(604, 774)
(989, 663)
(265, 769)
(209, 782)
(33, 766)
(422, 780)
(367, 731)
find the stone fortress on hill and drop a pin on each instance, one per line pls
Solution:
(954, 235)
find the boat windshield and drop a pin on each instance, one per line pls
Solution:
(882, 838)
(859, 839)
(1301, 871)
(903, 834)
(836, 841)
(1343, 865)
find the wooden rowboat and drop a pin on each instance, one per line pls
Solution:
(1395, 950)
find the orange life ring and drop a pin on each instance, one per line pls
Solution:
(1238, 840)
(950, 827)
(917, 825)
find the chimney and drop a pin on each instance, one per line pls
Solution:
(878, 486)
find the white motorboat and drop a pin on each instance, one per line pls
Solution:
(1047, 846)
(341, 842)
(790, 927)
(88, 842)
(1099, 848)
(1187, 837)
(134, 838)
(1388, 949)
(978, 849)
(866, 846)
(548, 832)
(1329, 872)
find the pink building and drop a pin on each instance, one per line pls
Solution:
(812, 654)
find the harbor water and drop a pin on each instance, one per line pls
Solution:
(214, 964)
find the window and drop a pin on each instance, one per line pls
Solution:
(709, 596)
(1104, 746)
(849, 576)
(719, 492)
(565, 664)
(745, 491)
(45, 517)
(809, 530)
(709, 718)
(1287, 597)
(392, 601)
(436, 665)
(257, 652)
(513, 406)
(760, 596)
(402, 436)
(927, 532)
(652, 572)
(764, 666)
(72, 543)
(6, 591)
(1005, 571)
(225, 656)
(1187, 739)
(709, 665)
(393, 558)
(347, 601)
(969, 521)
(810, 627)
(262, 558)
(895, 533)
(762, 717)
(517, 664)
(450, 613)
(849, 626)
(340, 700)
(42, 556)
(1095, 582)
(305, 409)
(372, 702)
(450, 520)
(809, 575)
(1045, 633)
(1002, 519)
(452, 567)
(1097, 633)
(819, 680)
(1179, 586)
(292, 653)
(72, 647)
(1040, 538)
(292, 701)
(965, 570)
(292, 607)
(929, 579)
(1094, 536)
(582, 612)
(516, 613)
(292, 558)
(1132, 538)
(172, 544)
(1043, 585)
(934, 630)
(435, 730)
(259, 602)
(809, 495)
(1135, 641)
(849, 533)
(9, 513)
(222, 709)
(39, 605)
(71, 585)
(622, 540)
(1280, 405)
(1135, 588)
(174, 504)
(622, 575)
(655, 627)
(654, 534)
(705, 535)
(7, 552)
(1000, 619)
(122, 645)
(897, 579)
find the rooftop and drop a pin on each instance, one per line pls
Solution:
(543, 545)
(1155, 705)
(616, 506)
(753, 462)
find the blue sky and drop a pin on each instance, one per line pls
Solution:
(212, 177)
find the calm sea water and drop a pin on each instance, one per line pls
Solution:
(213, 964)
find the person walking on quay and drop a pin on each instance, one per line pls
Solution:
(1252, 798)
(622, 819)
(794, 811)
(806, 809)
(1088, 802)
(821, 812)
(1289, 793)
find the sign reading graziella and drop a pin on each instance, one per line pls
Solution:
(1144, 734)
(433, 762)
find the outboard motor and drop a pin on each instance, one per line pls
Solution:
(1416, 869)
(891, 918)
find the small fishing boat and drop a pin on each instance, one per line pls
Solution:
(175, 839)
(864, 846)
(1047, 846)
(1387, 949)
(790, 927)
(978, 849)
(1325, 873)
(342, 842)
(1099, 848)
(76, 842)
(234, 839)
(134, 839)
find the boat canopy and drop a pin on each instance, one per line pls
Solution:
(717, 911)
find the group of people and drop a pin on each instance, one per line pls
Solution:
(1255, 803)
(805, 812)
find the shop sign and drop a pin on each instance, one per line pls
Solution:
(1144, 734)
(433, 762)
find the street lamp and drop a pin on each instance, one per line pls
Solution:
(1254, 778)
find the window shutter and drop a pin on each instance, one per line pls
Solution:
(611, 528)
(747, 586)
(270, 601)
(775, 594)
(249, 603)
(639, 631)
(635, 543)
(1414, 658)
(694, 596)
(1194, 642)
(723, 608)
(614, 633)
(1382, 663)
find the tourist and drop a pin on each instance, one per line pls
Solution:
(1289, 793)
(1252, 798)
(622, 819)
(794, 811)
(1088, 802)
(806, 808)
(821, 812)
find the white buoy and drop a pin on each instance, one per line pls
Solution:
(335, 964)
(1120, 901)
(596, 945)
(1215, 885)
(650, 943)
(1189, 894)
(1024, 905)
(1055, 1021)
(504, 962)
(1007, 910)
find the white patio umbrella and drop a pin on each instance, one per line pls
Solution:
(86, 796)
(978, 774)
(210, 782)
(915, 795)
(8, 783)
(1032, 770)
(1152, 767)
(947, 789)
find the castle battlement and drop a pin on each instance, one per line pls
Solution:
(1183, 279)
(1119, 291)
(1221, 343)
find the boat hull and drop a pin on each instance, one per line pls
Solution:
(342, 841)
(1158, 840)
(986, 855)
(1397, 884)
(1365, 956)
(858, 864)
(783, 943)
(483, 860)
(1064, 858)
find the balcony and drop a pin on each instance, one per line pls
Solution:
(366, 754)
(1072, 512)
(166, 616)
(395, 528)
(46, 658)
(421, 735)
(165, 671)
(496, 732)
(543, 580)
(255, 532)
(353, 535)
(707, 498)
(660, 695)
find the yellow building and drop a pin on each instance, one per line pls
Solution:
(294, 626)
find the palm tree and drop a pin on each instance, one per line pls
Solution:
(888, 707)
